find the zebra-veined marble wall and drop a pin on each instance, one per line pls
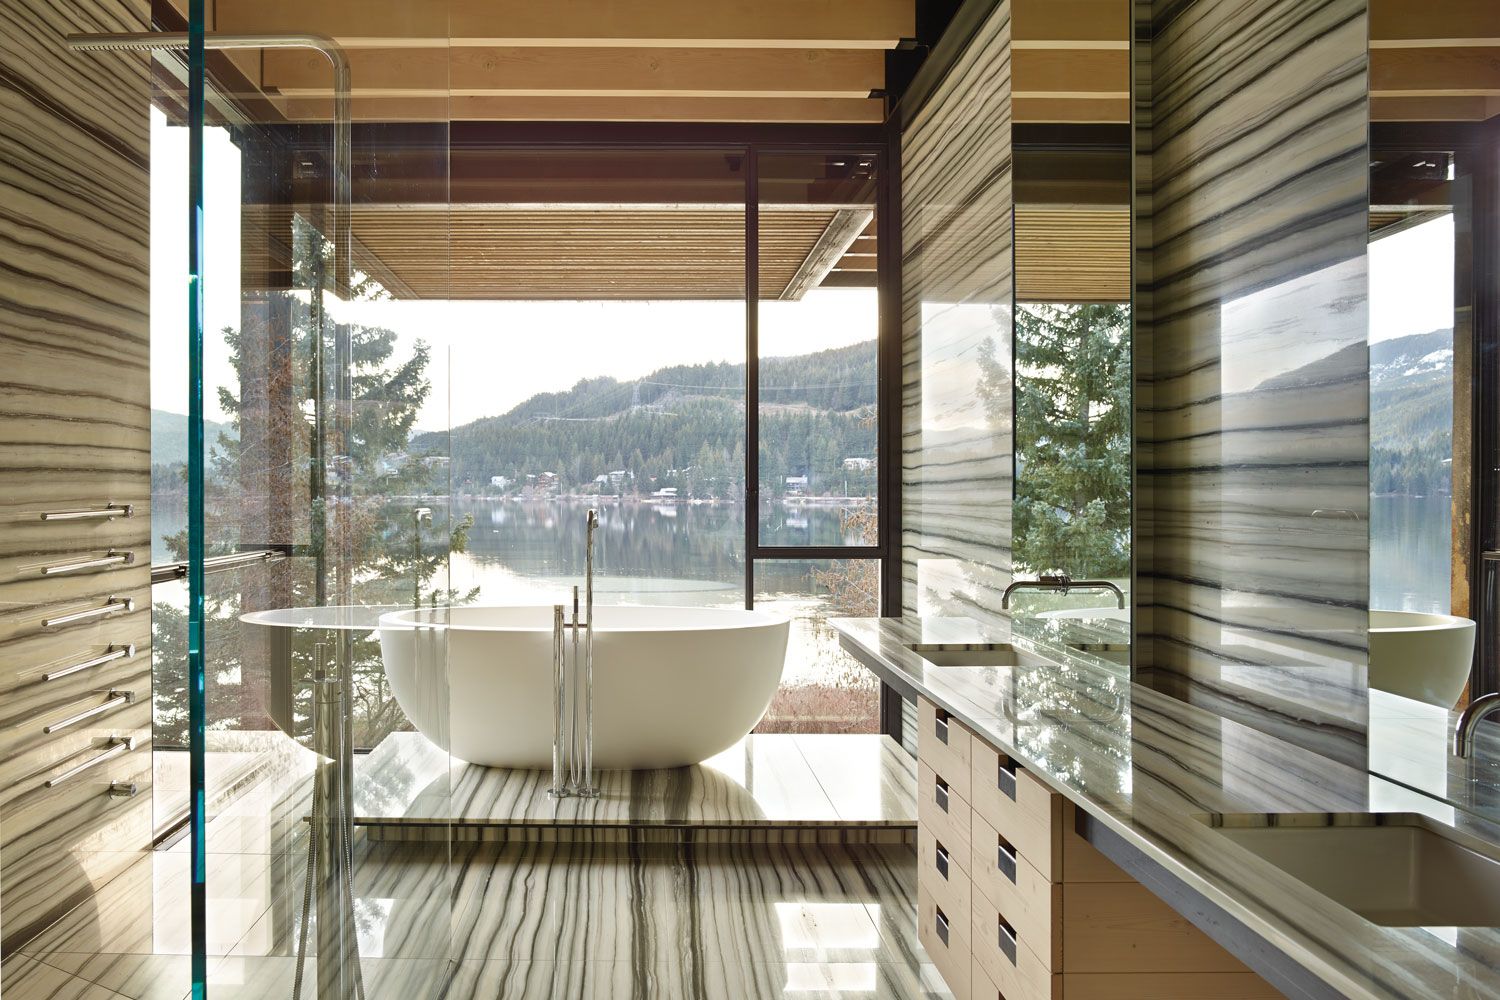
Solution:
(957, 370)
(1252, 435)
(75, 415)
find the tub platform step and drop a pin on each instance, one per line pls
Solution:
(769, 788)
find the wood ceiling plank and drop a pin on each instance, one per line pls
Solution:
(830, 110)
(1056, 72)
(588, 71)
(1425, 23)
(1433, 109)
(1063, 109)
(1452, 72)
(844, 24)
(1071, 20)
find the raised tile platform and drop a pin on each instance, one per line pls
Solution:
(768, 788)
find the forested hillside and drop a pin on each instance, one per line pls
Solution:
(1411, 414)
(683, 426)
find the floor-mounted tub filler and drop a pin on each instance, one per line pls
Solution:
(672, 686)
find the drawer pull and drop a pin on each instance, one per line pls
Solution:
(942, 861)
(122, 789)
(940, 726)
(113, 606)
(107, 511)
(1007, 778)
(112, 558)
(1005, 860)
(118, 745)
(116, 699)
(942, 925)
(941, 794)
(112, 653)
(1008, 941)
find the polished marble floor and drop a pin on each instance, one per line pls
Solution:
(519, 918)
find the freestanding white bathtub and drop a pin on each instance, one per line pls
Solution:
(672, 686)
(1423, 656)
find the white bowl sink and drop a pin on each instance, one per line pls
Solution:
(1421, 656)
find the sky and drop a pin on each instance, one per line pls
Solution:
(487, 356)
(1411, 281)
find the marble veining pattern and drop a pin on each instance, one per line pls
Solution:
(1252, 397)
(957, 351)
(1147, 765)
(765, 780)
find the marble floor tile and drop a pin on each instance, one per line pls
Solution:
(26, 978)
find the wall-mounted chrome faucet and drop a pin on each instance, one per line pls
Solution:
(1060, 583)
(1473, 714)
(572, 709)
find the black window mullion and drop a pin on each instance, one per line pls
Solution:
(752, 371)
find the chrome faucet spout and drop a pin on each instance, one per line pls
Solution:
(1468, 721)
(1061, 583)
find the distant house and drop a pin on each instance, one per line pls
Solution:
(499, 482)
(859, 464)
(665, 493)
(796, 485)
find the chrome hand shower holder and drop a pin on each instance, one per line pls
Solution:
(573, 689)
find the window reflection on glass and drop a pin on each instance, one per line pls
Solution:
(1411, 412)
(1073, 466)
(824, 689)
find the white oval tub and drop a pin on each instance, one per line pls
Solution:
(1421, 656)
(672, 686)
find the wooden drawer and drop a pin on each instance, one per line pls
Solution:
(944, 745)
(1030, 903)
(948, 885)
(1007, 960)
(981, 986)
(945, 938)
(1019, 808)
(1122, 927)
(943, 812)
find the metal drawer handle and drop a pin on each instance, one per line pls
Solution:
(1008, 940)
(942, 925)
(942, 860)
(1006, 779)
(940, 725)
(116, 699)
(1006, 860)
(107, 511)
(118, 746)
(941, 794)
(114, 558)
(113, 606)
(122, 789)
(114, 653)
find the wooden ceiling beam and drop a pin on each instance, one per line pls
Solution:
(1433, 109)
(840, 24)
(1071, 23)
(830, 110)
(1091, 109)
(1425, 24)
(1437, 72)
(586, 72)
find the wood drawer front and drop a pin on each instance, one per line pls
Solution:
(950, 758)
(951, 957)
(1016, 971)
(1168, 986)
(944, 814)
(952, 890)
(1031, 820)
(1030, 903)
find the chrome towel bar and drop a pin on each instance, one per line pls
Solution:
(116, 699)
(113, 606)
(111, 653)
(113, 558)
(107, 511)
(118, 745)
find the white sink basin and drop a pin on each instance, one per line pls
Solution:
(1394, 869)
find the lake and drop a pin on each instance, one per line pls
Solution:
(1411, 553)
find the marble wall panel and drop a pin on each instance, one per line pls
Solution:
(1251, 537)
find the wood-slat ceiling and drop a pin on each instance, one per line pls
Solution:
(1066, 254)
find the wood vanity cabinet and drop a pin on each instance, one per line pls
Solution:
(1014, 905)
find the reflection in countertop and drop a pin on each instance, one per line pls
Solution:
(1147, 766)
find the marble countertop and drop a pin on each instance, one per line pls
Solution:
(1147, 767)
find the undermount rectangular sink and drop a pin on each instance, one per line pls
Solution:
(1393, 869)
(990, 654)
